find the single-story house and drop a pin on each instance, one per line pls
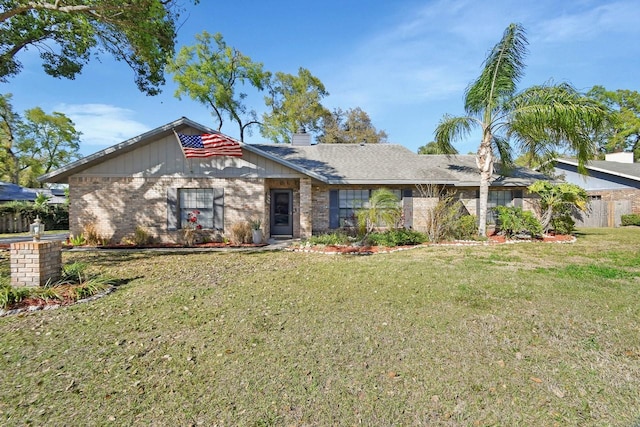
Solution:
(10, 192)
(613, 186)
(296, 189)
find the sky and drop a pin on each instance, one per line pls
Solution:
(405, 62)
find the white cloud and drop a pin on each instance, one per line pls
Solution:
(102, 124)
(615, 17)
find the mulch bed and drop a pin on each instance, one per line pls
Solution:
(174, 246)
(370, 250)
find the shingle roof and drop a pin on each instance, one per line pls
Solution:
(331, 163)
(625, 170)
(387, 164)
(12, 192)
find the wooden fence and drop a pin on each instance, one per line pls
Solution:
(604, 213)
(11, 223)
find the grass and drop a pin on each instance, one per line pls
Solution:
(527, 334)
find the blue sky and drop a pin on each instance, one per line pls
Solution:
(405, 62)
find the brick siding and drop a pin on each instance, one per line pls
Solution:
(115, 206)
(35, 263)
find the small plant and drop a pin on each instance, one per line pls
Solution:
(630, 219)
(10, 295)
(77, 240)
(191, 227)
(241, 233)
(142, 237)
(255, 223)
(72, 273)
(92, 236)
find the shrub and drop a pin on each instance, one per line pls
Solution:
(465, 228)
(140, 237)
(557, 204)
(513, 220)
(563, 223)
(92, 237)
(241, 233)
(630, 219)
(397, 237)
(442, 219)
(335, 238)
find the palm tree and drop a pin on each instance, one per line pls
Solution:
(539, 119)
(383, 209)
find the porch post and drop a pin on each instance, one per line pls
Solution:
(306, 207)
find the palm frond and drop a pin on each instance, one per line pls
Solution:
(503, 69)
(557, 115)
(503, 152)
(451, 129)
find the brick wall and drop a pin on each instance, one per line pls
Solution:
(34, 263)
(117, 205)
(632, 194)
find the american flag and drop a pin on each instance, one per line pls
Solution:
(207, 145)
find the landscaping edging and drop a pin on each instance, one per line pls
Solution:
(34, 308)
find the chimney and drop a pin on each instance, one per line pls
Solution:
(619, 157)
(301, 138)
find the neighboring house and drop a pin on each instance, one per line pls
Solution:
(613, 186)
(295, 189)
(12, 192)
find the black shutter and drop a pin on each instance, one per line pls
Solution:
(218, 209)
(407, 208)
(172, 209)
(517, 198)
(334, 210)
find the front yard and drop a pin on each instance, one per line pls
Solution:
(524, 334)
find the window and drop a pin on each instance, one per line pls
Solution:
(349, 201)
(209, 202)
(193, 200)
(344, 205)
(501, 198)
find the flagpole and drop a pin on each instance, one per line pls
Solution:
(179, 143)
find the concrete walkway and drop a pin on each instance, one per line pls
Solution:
(273, 245)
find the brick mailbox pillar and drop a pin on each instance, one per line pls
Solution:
(34, 263)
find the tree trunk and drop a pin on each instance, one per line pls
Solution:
(484, 202)
(484, 161)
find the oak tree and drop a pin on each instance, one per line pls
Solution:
(141, 33)
(294, 103)
(214, 73)
(352, 126)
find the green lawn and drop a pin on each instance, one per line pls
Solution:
(526, 334)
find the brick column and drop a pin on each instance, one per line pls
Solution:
(34, 263)
(306, 208)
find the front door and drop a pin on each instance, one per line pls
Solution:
(281, 212)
